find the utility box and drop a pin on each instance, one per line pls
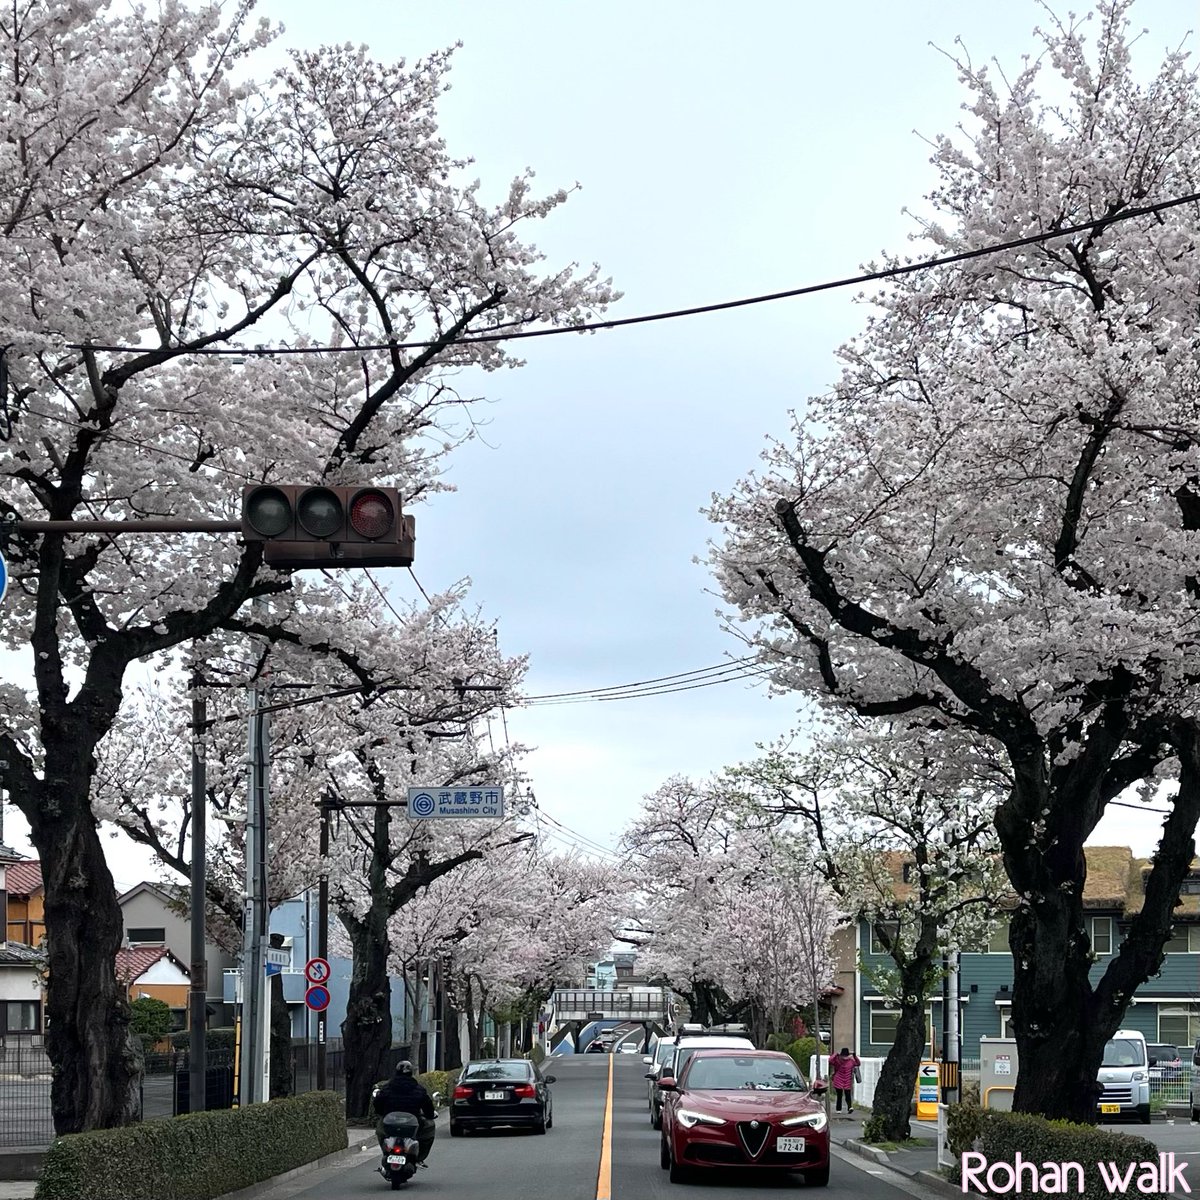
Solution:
(997, 1072)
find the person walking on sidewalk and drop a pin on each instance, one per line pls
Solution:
(844, 1067)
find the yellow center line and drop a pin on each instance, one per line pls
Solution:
(604, 1181)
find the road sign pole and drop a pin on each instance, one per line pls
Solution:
(323, 943)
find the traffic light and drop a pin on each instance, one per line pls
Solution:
(309, 527)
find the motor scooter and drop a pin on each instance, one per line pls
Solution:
(401, 1149)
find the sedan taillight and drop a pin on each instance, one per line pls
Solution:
(462, 1092)
(525, 1091)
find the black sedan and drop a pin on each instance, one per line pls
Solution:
(501, 1091)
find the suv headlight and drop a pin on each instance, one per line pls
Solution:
(687, 1117)
(816, 1121)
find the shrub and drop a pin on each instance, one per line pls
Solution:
(439, 1081)
(964, 1123)
(150, 1019)
(487, 1048)
(802, 1049)
(194, 1157)
(536, 1055)
(779, 1041)
(1003, 1134)
(216, 1039)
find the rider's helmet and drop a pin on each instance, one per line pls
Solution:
(404, 1069)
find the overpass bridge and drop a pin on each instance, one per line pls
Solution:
(573, 1009)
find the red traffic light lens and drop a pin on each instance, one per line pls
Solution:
(371, 514)
(319, 512)
(268, 512)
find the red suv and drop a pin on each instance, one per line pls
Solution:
(747, 1109)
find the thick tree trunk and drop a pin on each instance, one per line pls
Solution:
(367, 1029)
(97, 1069)
(1060, 1020)
(450, 1040)
(892, 1107)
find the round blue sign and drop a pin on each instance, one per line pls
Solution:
(423, 805)
(317, 997)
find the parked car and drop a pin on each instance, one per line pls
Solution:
(744, 1109)
(1194, 1099)
(682, 1050)
(655, 1062)
(1124, 1077)
(1165, 1063)
(501, 1091)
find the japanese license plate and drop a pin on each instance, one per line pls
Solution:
(494, 1095)
(1109, 1108)
(396, 1160)
(791, 1145)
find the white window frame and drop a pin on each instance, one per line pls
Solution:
(1191, 934)
(1192, 1011)
(1095, 922)
(1005, 1011)
(879, 1010)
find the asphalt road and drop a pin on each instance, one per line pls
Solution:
(564, 1164)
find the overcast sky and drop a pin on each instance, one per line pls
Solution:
(723, 151)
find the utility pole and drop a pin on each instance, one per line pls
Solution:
(255, 1010)
(323, 941)
(198, 989)
(950, 1030)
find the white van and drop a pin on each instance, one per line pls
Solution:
(1125, 1077)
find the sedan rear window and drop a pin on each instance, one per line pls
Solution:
(497, 1070)
(744, 1074)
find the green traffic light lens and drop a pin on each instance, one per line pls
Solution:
(268, 512)
(319, 512)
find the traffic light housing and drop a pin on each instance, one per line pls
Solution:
(321, 526)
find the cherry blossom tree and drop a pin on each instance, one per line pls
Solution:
(991, 519)
(358, 754)
(907, 844)
(151, 201)
(729, 915)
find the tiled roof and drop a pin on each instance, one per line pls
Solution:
(17, 954)
(134, 961)
(23, 878)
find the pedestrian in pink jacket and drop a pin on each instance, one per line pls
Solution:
(844, 1068)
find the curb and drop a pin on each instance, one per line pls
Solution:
(938, 1183)
(353, 1150)
(868, 1152)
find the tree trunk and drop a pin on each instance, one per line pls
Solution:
(891, 1109)
(1060, 1020)
(97, 1070)
(452, 1046)
(367, 1029)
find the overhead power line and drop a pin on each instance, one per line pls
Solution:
(1034, 239)
(635, 692)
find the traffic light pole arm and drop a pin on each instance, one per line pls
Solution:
(148, 525)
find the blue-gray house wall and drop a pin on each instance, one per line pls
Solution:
(296, 919)
(985, 983)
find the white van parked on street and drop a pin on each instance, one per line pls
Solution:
(1125, 1077)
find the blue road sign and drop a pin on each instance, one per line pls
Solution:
(3, 576)
(317, 997)
(486, 802)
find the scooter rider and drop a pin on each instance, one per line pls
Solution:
(402, 1093)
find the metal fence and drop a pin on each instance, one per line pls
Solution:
(25, 1075)
(1173, 1086)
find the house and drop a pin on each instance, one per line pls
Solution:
(26, 920)
(1166, 1009)
(295, 921)
(156, 915)
(21, 965)
(153, 972)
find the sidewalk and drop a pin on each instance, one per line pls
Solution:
(914, 1159)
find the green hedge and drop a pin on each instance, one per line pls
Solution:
(194, 1157)
(1003, 1134)
(439, 1081)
